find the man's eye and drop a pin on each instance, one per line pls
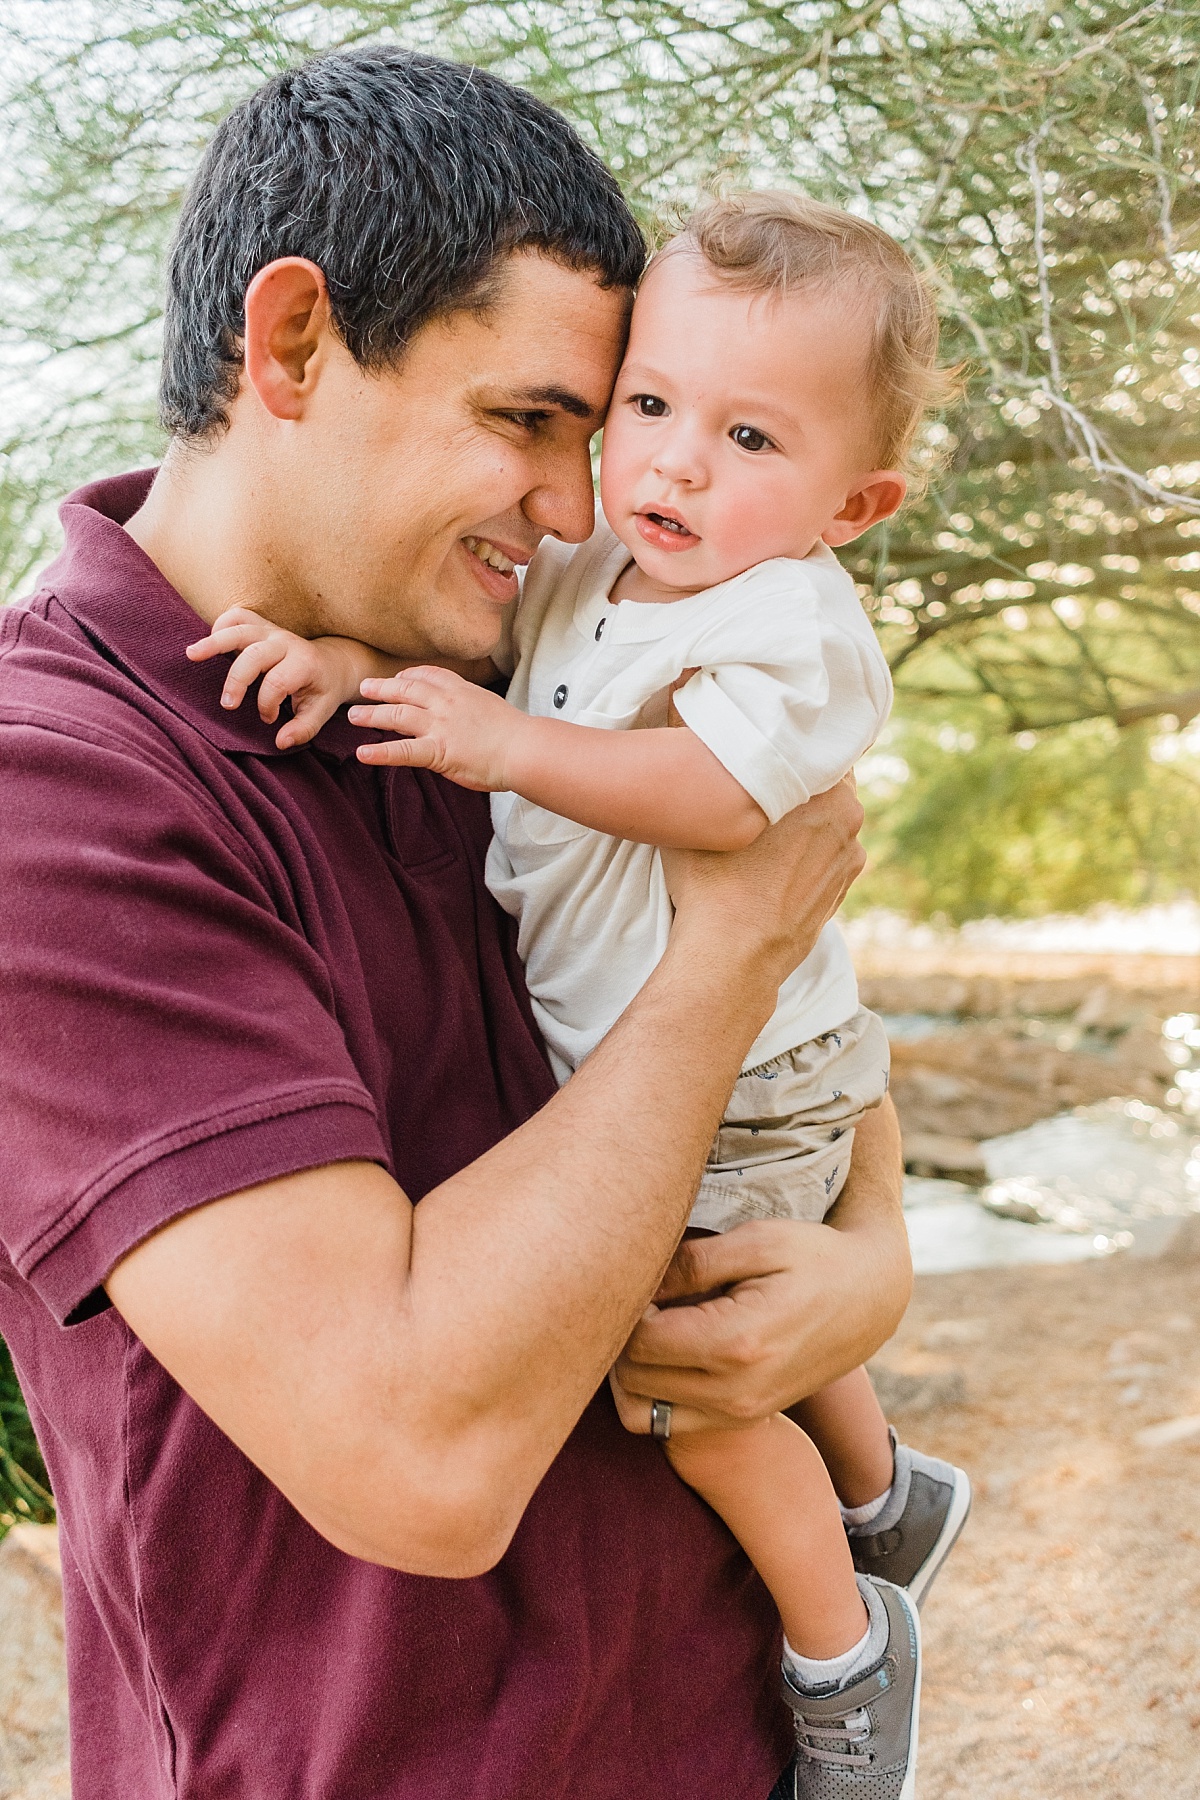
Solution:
(528, 421)
(650, 406)
(748, 437)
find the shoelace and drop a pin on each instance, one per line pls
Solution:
(853, 1730)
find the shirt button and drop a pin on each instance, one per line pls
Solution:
(560, 696)
(600, 629)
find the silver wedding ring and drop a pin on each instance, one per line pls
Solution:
(660, 1420)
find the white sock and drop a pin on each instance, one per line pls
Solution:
(836, 1671)
(813, 1673)
(862, 1515)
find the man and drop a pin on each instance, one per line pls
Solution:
(259, 1005)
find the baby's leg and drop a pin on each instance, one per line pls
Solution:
(772, 1489)
(846, 1423)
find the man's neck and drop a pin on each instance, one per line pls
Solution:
(200, 525)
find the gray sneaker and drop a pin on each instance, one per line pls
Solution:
(911, 1538)
(859, 1742)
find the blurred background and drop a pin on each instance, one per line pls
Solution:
(1029, 923)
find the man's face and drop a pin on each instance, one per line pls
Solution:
(405, 489)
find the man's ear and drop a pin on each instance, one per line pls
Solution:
(287, 319)
(877, 496)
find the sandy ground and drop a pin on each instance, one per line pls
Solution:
(1063, 1639)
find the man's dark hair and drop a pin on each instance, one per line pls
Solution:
(405, 179)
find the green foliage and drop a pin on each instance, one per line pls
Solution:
(967, 821)
(24, 1485)
(1040, 163)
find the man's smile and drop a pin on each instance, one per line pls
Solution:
(495, 569)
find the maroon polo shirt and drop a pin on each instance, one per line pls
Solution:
(220, 964)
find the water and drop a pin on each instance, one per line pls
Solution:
(1172, 930)
(1116, 1176)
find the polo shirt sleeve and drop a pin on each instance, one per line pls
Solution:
(169, 1035)
(785, 696)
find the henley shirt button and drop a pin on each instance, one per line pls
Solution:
(600, 629)
(560, 696)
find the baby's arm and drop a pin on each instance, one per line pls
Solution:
(317, 674)
(662, 787)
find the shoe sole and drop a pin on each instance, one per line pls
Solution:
(909, 1790)
(956, 1518)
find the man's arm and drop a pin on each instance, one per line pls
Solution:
(793, 1306)
(406, 1376)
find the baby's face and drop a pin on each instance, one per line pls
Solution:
(739, 427)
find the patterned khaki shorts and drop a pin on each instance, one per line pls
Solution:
(783, 1150)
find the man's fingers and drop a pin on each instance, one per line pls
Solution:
(634, 1411)
(702, 1265)
(712, 1332)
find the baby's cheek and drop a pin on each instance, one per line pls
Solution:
(621, 466)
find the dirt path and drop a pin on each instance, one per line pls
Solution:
(1063, 1638)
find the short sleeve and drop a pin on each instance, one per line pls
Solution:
(787, 695)
(169, 1036)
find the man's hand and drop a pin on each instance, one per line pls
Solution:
(448, 725)
(780, 891)
(318, 675)
(777, 1309)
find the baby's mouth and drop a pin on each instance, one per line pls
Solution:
(665, 531)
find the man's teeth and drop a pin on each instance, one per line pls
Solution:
(488, 553)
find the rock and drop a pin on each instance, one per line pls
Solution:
(1171, 1431)
(33, 1685)
(930, 1153)
(944, 1332)
(922, 1385)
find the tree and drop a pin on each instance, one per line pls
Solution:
(1041, 163)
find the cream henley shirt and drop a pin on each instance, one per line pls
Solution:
(792, 689)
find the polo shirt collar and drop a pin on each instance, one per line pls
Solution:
(122, 600)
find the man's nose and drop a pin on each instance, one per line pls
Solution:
(564, 502)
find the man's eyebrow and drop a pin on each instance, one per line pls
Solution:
(575, 404)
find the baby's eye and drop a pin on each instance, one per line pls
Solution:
(650, 406)
(748, 437)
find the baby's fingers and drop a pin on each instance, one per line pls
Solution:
(406, 717)
(245, 670)
(223, 642)
(308, 716)
(410, 684)
(400, 753)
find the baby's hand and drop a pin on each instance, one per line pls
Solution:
(448, 725)
(318, 675)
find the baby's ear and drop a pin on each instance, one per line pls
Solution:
(877, 496)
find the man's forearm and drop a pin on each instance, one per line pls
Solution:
(444, 1353)
(597, 1187)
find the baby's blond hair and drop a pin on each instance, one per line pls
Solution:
(771, 241)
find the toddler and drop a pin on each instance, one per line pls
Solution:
(780, 356)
